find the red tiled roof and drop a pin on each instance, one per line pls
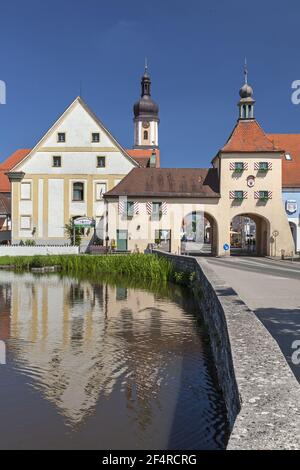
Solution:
(142, 156)
(7, 165)
(14, 159)
(168, 182)
(248, 136)
(4, 182)
(290, 168)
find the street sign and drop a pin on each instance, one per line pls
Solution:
(226, 247)
(84, 222)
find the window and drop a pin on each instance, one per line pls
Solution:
(156, 210)
(130, 209)
(25, 223)
(78, 191)
(145, 135)
(56, 162)
(263, 166)
(26, 191)
(61, 137)
(100, 162)
(95, 137)
(288, 156)
(239, 195)
(100, 190)
(238, 166)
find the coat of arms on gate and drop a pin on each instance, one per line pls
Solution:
(291, 206)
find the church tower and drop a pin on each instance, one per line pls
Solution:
(146, 118)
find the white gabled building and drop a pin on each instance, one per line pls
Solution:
(66, 174)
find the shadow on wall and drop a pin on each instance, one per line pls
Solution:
(284, 326)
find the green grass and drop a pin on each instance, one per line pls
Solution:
(136, 265)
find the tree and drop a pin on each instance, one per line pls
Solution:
(69, 229)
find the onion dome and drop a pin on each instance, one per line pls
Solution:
(246, 91)
(146, 107)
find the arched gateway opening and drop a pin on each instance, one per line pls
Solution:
(250, 235)
(199, 234)
(293, 228)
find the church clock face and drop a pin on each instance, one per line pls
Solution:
(146, 124)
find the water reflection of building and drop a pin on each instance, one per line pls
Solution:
(5, 302)
(79, 341)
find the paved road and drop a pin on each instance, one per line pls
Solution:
(272, 290)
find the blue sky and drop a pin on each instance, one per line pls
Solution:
(195, 51)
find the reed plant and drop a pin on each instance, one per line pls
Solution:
(139, 266)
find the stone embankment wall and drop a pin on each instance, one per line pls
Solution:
(261, 394)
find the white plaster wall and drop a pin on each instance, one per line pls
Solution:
(154, 133)
(78, 126)
(25, 207)
(37, 250)
(55, 208)
(78, 163)
(99, 208)
(78, 208)
(40, 207)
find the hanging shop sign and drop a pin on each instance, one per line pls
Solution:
(84, 222)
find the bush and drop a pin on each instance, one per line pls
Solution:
(30, 243)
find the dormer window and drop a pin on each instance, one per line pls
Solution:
(288, 156)
(61, 137)
(95, 137)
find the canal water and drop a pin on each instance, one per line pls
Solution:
(104, 365)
